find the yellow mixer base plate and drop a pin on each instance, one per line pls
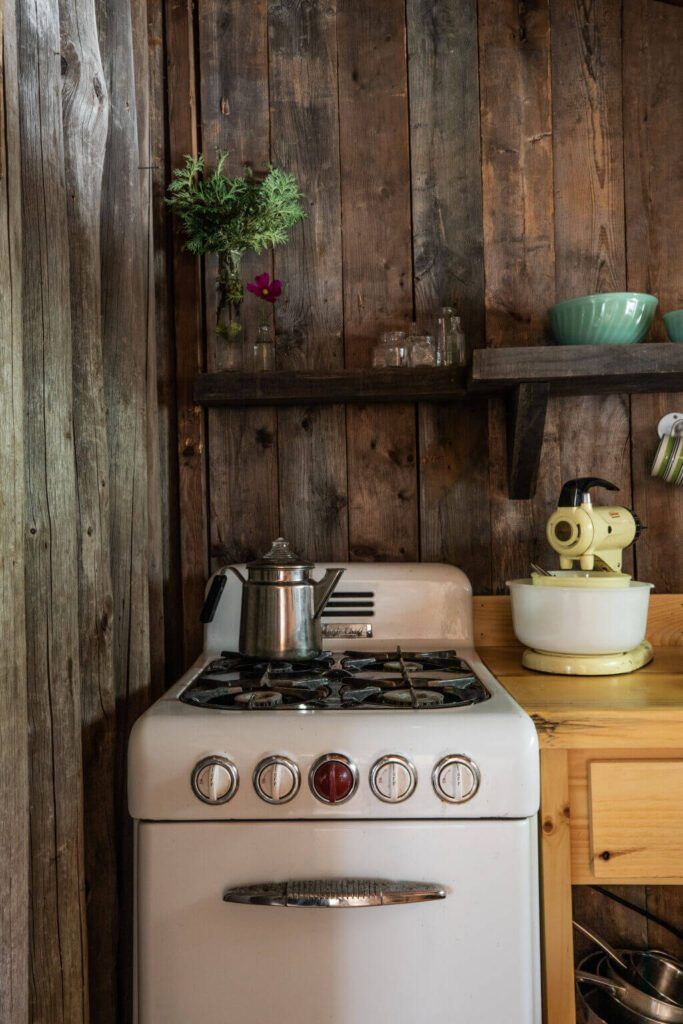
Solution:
(588, 664)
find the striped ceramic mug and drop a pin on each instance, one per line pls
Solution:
(668, 461)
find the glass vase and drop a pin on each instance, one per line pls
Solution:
(230, 343)
(264, 349)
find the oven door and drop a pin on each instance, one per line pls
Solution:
(468, 958)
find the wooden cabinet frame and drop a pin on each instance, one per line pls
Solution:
(581, 723)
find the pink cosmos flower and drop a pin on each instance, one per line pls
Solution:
(264, 288)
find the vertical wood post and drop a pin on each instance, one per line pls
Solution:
(558, 946)
(125, 269)
(14, 799)
(182, 105)
(527, 408)
(59, 966)
(85, 116)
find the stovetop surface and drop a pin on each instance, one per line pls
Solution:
(339, 681)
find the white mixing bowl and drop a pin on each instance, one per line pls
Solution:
(574, 620)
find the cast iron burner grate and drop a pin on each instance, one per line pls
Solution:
(392, 681)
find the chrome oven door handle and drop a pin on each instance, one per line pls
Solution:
(336, 892)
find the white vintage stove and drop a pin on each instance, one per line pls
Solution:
(343, 841)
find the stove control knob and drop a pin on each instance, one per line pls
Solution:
(276, 780)
(393, 779)
(333, 778)
(456, 779)
(215, 780)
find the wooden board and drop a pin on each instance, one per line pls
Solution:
(519, 247)
(85, 102)
(580, 762)
(312, 482)
(243, 521)
(454, 493)
(590, 251)
(376, 261)
(527, 411)
(189, 344)
(622, 928)
(383, 512)
(448, 264)
(653, 149)
(304, 133)
(635, 819)
(14, 745)
(640, 709)
(653, 142)
(324, 386)
(165, 398)
(576, 369)
(155, 559)
(243, 448)
(556, 892)
(125, 356)
(59, 955)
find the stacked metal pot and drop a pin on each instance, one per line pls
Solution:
(629, 986)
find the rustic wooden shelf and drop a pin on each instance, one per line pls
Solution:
(529, 376)
(526, 377)
(580, 369)
(303, 387)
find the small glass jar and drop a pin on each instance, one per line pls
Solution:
(379, 352)
(422, 350)
(264, 349)
(396, 348)
(460, 344)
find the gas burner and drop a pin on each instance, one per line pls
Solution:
(351, 680)
(396, 666)
(414, 698)
(257, 699)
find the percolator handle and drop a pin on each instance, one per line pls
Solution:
(573, 490)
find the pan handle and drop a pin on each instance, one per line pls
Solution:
(604, 946)
(597, 979)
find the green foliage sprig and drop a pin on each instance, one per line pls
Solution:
(231, 216)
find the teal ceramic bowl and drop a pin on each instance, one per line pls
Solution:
(615, 318)
(674, 324)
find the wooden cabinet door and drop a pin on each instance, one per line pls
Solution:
(636, 819)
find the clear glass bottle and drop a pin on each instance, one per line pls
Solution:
(396, 349)
(264, 349)
(379, 352)
(451, 349)
(413, 332)
(422, 350)
(460, 344)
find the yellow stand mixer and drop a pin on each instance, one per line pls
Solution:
(590, 541)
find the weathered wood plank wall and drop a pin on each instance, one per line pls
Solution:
(14, 751)
(59, 985)
(85, 104)
(80, 511)
(501, 153)
(510, 154)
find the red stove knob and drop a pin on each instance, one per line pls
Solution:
(333, 778)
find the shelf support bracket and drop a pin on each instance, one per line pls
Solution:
(527, 405)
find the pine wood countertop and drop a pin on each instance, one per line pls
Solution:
(641, 709)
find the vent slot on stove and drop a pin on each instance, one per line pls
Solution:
(354, 605)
